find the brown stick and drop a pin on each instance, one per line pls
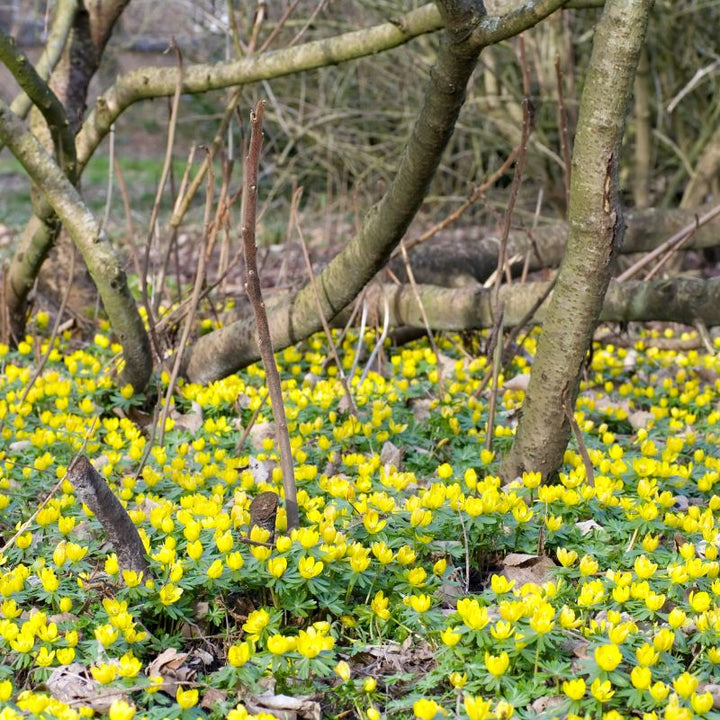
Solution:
(119, 528)
(249, 214)
(328, 333)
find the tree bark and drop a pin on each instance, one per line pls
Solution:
(456, 257)
(225, 351)
(596, 229)
(92, 26)
(683, 300)
(90, 239)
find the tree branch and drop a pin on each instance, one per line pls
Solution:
(90, 239)
(44, 100)
(224, 351)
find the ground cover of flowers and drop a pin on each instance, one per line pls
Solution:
(365, 611)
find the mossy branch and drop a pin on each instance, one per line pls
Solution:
(44, 99)
(90, 239)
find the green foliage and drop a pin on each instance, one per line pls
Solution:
(366, 608)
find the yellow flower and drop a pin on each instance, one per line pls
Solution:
(504, 710)
(427, 709)
(369, 685)
(104, 673)
(500, 584)
(601, 690)
(685, 684)
(6, 690)
(476, 708)
(664, 639)
(186, 698)
(309, 567)
(277, 566)
(130, 666)
(170, 594)
(106, 635)
(701, 703)
(502, 630)
(644, 567)
(588, 565)
(659, 691)
(238, 655)
(699, 601)
(574, 689)
(450, 637)
(416, 577)
(215, 570)
(380, 604)
(342, 670)
(676, 618)
(419, 603)
(641, 677)
(647, 655)
(257, 621)
(458, 680)
(131, 578)
(497, 664)
(475, 617)
(121, 710)
(279, 644)
(566, 557)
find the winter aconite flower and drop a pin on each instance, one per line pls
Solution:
(608, 657)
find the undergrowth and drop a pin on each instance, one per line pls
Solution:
(396, 597)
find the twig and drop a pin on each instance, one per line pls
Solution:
(251, 422)
(467, 552)
(590, 475)
(495, 349)
(671, 242)
(111, 172)
(423, 314)
(249, 210)
(379, 342)
(361, 337)
(476, 194)
(328, 333)
(53, 334)
(209, 232)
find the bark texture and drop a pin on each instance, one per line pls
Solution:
(458, 257)
(92, 26)
(596, 229)
(684, 300)
(226, 350)
(119, 529)
(91, 240)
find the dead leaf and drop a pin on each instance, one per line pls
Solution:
(587, 526)
(170, 665)
(640, 419)
(191, 421)
(259, 432)
(524, 568)
(420, 409)
(519, 382)
(73, 685)
(390, 455)
(211, 697)
(284, 707)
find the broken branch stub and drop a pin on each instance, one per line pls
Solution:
(119, 529)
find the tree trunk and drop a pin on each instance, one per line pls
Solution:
(92, 26)
(596, 229)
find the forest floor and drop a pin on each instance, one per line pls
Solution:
(418, 584)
